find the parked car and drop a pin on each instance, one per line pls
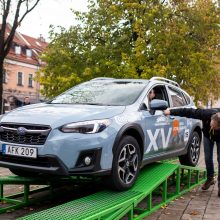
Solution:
(104, 127)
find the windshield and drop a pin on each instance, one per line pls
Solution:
(102, 93)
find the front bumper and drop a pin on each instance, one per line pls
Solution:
(52, 165)
(61, 153)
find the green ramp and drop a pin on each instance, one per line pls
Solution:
(163, 179)
(24, 198)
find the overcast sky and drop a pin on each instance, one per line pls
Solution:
(47, 12)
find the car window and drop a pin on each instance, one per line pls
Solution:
(159, 93)
(188, 100)
(176, 97)
(102, 93)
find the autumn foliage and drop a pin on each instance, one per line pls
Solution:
(138, 39)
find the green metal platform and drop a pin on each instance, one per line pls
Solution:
(166, 180)
(24, 198)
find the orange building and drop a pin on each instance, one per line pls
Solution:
(20, 67)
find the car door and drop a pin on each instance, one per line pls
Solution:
(181, 126)
(157, 125)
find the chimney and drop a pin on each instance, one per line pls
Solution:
(41, 39)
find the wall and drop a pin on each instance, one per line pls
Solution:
(11, 87)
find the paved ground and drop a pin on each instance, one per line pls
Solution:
(195, 205)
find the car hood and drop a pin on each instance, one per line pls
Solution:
(59, 114)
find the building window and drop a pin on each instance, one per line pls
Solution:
(17, 49)
(20, 79)
(30, 80)
(4, 75)
(28, 52)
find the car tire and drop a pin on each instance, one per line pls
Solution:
(126, 164)
(23, 173)
(191, 158)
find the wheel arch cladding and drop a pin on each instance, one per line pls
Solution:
(133, 130)
(199, 131)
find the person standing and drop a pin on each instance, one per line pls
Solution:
(211, 131)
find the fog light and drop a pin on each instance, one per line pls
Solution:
(87, 160)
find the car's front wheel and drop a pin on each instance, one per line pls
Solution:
(193, 151)
(126, 163)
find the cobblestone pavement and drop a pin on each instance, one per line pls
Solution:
(195, 205)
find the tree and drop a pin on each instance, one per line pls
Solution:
(6, 40)
(138, 39)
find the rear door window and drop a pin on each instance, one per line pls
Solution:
(177, 97)
(188, 100)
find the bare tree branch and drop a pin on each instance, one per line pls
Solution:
(6, 41)
(9, 39)
(28, 11)
(17, 22)
(3, 27)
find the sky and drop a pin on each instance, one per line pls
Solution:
(47, 12)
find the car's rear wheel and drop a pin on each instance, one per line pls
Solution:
(193, 151)
(126, 164)
(23, 173)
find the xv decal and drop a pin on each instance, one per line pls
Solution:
(186, 135)
(153, 139)
(175, 127)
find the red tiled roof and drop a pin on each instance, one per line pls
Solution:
(36, 45)
(22, 58)
(16, 39)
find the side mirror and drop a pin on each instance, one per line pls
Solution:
(158, 104)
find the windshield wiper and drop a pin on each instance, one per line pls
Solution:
(49, 102)
(83, 103)
(91, 103)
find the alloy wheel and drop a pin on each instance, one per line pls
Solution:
(128, 163)
(194, 149)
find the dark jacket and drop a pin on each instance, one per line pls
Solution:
(202, 114)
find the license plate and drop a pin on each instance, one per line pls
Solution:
(19, 151)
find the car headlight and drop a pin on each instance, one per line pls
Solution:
(86, 127)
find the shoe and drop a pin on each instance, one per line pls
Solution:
(208, 183)
(218, 191)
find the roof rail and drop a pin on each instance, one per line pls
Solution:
(101, 78)
(165, 80)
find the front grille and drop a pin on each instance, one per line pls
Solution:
(33, 135)
(33, 139)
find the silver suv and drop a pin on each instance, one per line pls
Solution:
(109, 127)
